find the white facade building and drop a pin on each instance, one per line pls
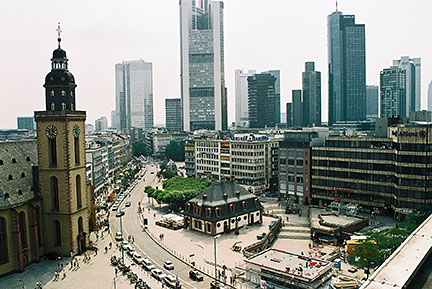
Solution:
(134, 95)
(203, 91)
(412, 67)
(241, 97)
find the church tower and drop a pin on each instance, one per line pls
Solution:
(61, 154)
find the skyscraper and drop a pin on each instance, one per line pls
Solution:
(276, 74)
(101, 123)
(297, 107)
(393, 92)
(173, 114)
(203, 91)
(372, 101)
(430, 96)
(113, 119)
(289, 114)
(261, 90)
(241, 97)
(412, 67)
(347, 68)
(26, 122)
(134, 95)
(311, 82)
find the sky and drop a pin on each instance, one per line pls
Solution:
(260, 35)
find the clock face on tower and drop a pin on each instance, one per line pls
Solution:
(76, 131)
(51, 132)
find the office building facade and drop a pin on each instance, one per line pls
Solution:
(297, 107)
(276, 74)
(241, 97)
(347, 68)
(393, 92)
(203, 91)
(134, 95)
(390, 172)
(412, 67)
(173, 114)
(113, 119)
(311, 83)
(101, 124)
(26, 122)
(372, 92)
(430, 96)
(261, 91)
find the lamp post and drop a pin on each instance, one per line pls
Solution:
(215, 264)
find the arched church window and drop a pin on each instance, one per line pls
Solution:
(52, 92)
(63, 106)
(52, 106)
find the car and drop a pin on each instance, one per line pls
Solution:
(261, 235)
(147, 264)
(271, 225)
(216, 285)
(125, 245)
(128, 204)
(152, 172)
(53, 256)
(115, 208)
(352, 270)
(138, 258)
(120, 214)
(172, 281)
(131, 252)
(158, 274)
(119, 236)
(169, 265)
(196, 275)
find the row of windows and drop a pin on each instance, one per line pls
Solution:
(207, 169)
(248, 161)
(14, 161)
(247, 146)
(207, 162)
(63, 106)
(10, 177)
(247, 175)
(248, 168)
(248, 154)
(54, 188)
(63, 93)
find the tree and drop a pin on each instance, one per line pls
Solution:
(367, 253)
(175, 150)
(140, 148)
(167, 174)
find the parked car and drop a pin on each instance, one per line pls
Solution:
(120, 214)
(272, 224)
(216, 285)
(53, 256)
(172, 281)
(128, 204)
(196, 275)
(261, 235)
(158, 274)
(131, 251)
(147, 264)
(138, 258)
(169, 265)
(119, 236)
(115, 208)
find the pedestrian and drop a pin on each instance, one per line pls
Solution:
(116, 270)
(106, 249)
(77, 264)
(287, 219)
(23, 287)
(56, 276)
(110, 245)
(96, 251)
(61, 266)
(64, 274)
(71, 265)
(133, 239)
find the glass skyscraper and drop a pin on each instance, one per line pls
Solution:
(393, 92)
(276, 74)
(241, 97)
(347, 68)
(261, 91)
(311, 84)
(412, 67)
(203, 91)
(173, 114)
(372, 101)
(134, 95)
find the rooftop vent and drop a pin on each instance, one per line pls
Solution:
(225, 195)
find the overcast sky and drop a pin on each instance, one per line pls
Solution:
(260, 35)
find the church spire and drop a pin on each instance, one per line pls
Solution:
(59, 31)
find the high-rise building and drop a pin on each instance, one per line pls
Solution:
(173, 114)
(412, 67)
(203, 91)
(134, 95)
(297, 107)
(241, 97)
(289, 114)
(347, 68)
(311, 82)
(261, 89)
(393, 92)
(372, 101)
(101, 124)
(62, 165)
(26, 122)
(113, 119)
(276, 74)
(430, 96)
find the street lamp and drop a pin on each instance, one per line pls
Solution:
(215, 264)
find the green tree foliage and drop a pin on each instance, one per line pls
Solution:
(175, 150)
(167, 174)
(140, 148)
(368, 254)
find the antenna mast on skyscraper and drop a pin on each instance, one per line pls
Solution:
(336, 5)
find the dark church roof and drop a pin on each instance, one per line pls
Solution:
(221, 196)
(17, 159)
(59, 53)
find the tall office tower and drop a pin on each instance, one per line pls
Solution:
(276, 74)
(241, 97)
(430, 96)
(101, 123)
(372, 101)
(173, 114)
(347, 68)
(26, 122)
(289, 114)
(113, 119)
(134, 94)
(203, 91)
(297, 107)
(412, 67)
(393, 92)
(261, 90)
(311, 82)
